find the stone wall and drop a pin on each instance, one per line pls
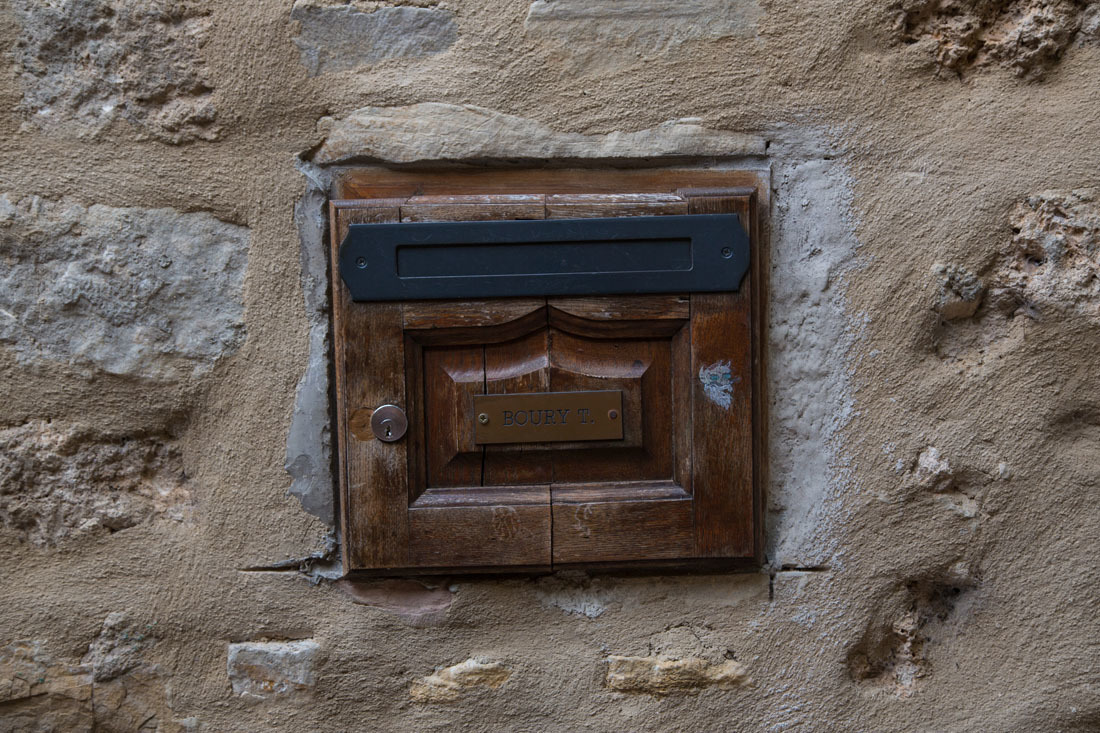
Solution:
(166, 501)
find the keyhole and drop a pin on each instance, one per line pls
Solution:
(388, 423)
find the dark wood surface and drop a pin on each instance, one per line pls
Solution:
(641, 370)
(518, 367)
(473, 208)
(682, 483)
(503, 534)
(374, 182)
(504, 312)
(622, 529)
(723, 439)
(452, 376)
(614, 308)
(370, 368)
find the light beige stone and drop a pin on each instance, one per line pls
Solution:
(449, 684)
(960, 292)
(1028, 36)
(1054, 262)
(651, 25)
(441, 132)
(666, 676)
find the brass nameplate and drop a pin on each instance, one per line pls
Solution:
(548, 417)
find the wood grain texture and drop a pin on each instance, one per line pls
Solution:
(515, 534)
(620, 328)
(369, 372)
(641, 369)
(742, 313)
(415, 410)
(761, 266)
(722, 480)
(434, 314)
(518, 367)
(588, 206)
(616, 531)
(479, 336)
(484, 496)
(460, 208)
(373, 182)
(619, 307)
(475, 204)
(452, 376)
(601, 491)
(683, 417)
(476, 207)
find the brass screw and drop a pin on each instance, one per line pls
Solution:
(483, 419)
(613, 414)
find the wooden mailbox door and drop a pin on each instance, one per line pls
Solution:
(677, 487)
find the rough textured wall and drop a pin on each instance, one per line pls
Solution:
(165, 503)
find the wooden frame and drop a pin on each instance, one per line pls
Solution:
(684, 487)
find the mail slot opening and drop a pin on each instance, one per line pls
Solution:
(582, 257)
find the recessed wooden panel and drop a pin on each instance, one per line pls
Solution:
(515, 367)
(452, 376)
(641, 370)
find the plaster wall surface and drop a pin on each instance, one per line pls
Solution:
(166, 503)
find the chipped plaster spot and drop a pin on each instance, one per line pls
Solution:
(718, 381)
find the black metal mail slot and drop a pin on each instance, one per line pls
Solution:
(484, 259)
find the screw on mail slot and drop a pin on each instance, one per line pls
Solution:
(548, 417)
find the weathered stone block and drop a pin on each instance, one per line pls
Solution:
(145, 292)
(1054, 264)
(449, 684)
(434, 131)
(1028, 36)
(84, 63)
(342, 37)
(263, 668)
(118, 648)
(661, 676)
(643, 24)
(58, 482)
(39, 694)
